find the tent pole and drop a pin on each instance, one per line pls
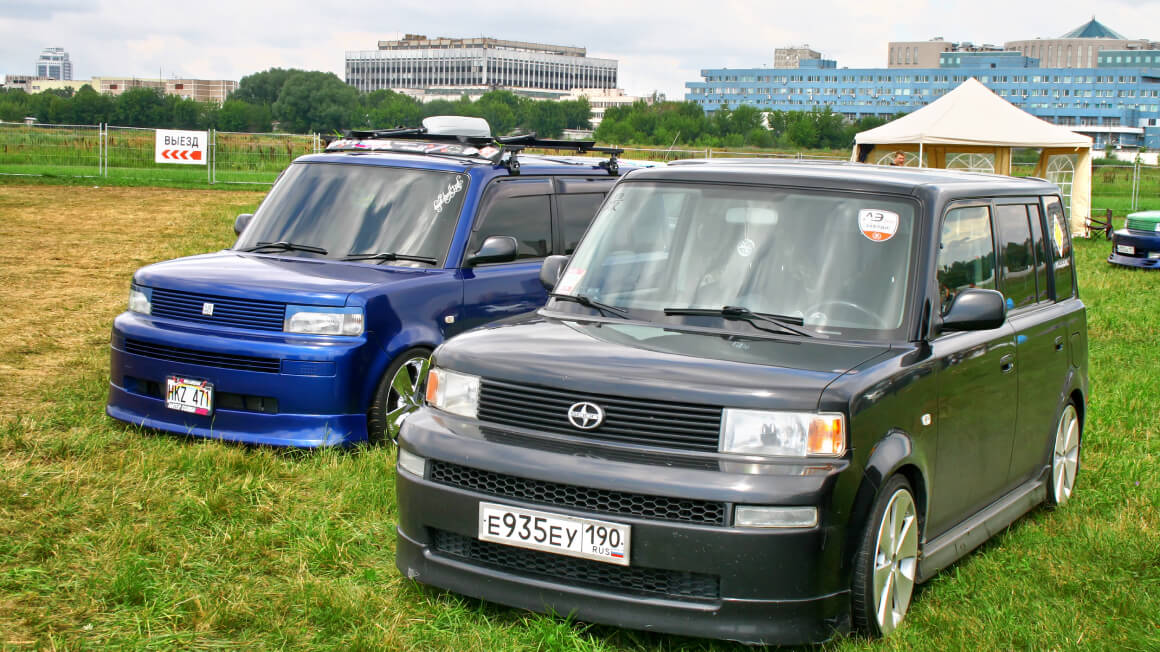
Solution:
(920, 154)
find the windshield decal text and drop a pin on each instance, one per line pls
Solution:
(445, 197)
(877, 225)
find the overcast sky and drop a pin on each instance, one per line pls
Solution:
(660, 45)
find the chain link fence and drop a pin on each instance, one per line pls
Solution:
(127, 153)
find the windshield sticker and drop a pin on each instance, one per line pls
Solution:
(746, 247)
(445, 197)
(1057, 235)
(569, 281)
(877, 225)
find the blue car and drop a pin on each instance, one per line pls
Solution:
(1138, 243)
(314, 328)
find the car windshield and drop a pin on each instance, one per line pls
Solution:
(832, 264)
(357, 211)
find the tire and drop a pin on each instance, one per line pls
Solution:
(1065, 456)
(886, 563)
(395, 395)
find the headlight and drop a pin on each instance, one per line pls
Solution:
(139, 300)
(793, 434)
(453, 392)
(323, 320)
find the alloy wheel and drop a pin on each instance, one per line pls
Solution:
(895, 561)
(1065, 459)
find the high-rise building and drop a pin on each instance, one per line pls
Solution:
(54, 63)
(417, 62)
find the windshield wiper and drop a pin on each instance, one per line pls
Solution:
(389, 256)
(589, 303)
(282, 245)
(742, 313)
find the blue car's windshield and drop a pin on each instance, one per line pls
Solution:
(357, 212)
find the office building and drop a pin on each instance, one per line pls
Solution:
(416, 62)
(1115, 101)
(53, 63)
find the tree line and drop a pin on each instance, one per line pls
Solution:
(302, 101)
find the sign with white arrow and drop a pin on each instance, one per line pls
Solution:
(185, 147)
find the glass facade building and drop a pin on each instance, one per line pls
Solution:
(417, 62)
(53, 63)
(1116, 103)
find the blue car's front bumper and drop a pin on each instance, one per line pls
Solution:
(1135, 249)
(274, 389)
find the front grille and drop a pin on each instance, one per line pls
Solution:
(579, 572)
(204, 358)
(227, 311)
(222, 400)
(1146, 224)
(637, 421)
(617, 503)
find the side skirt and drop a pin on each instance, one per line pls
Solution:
(944, 550)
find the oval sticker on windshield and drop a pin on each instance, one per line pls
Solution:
(878, 225)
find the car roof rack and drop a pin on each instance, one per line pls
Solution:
(516, 144)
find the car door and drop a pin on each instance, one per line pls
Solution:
(520, 208)
(977, 379)
(1040, 332)
(576, 202)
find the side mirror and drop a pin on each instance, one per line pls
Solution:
(550, 271)
(495, 249)
(241, 222)
(975, 310)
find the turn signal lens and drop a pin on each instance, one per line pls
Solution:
(827, 435)
(432, 385)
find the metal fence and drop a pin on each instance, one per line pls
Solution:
(111, 152)
(127, 153)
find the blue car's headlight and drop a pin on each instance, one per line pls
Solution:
(140, 299)
(323, 320)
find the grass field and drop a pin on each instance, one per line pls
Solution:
(111, 536)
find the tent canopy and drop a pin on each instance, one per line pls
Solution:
(973, 119)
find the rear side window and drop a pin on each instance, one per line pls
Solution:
(966, 257)
(1060, 236)
(1016, 255)
(576, 212)
(1039, 243)
(528, 219)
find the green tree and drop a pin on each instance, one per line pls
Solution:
(88, 107)
(262, 88)
(315, 102)
(140, 107)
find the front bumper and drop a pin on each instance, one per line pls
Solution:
(766, 586)
(301, 391)
(1145, 249)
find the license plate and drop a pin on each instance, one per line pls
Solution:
(188, 395)
(564, 535)
(1126, 249)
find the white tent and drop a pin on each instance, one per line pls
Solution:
(973, 120)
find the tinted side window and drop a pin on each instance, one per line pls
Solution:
(966, 257)
(1039, 243)
(528, 219)
(1016, 257)
(1060, 236)
(576, 212)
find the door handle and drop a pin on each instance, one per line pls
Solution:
(1007, 363)
(1059, 343)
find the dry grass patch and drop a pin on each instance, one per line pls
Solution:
(69, 255)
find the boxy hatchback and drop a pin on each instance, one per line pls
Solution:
(313, 328)
(763, 402)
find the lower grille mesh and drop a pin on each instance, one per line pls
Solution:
(661, 508)
(594, 574)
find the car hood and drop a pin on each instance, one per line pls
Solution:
(269, 278)
(731, 369)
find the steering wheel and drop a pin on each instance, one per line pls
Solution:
(873, 317)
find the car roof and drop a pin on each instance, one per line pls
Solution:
(529, 163)
(847, 176)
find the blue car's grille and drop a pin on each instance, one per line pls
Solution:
(204, 358)
(227, 311)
